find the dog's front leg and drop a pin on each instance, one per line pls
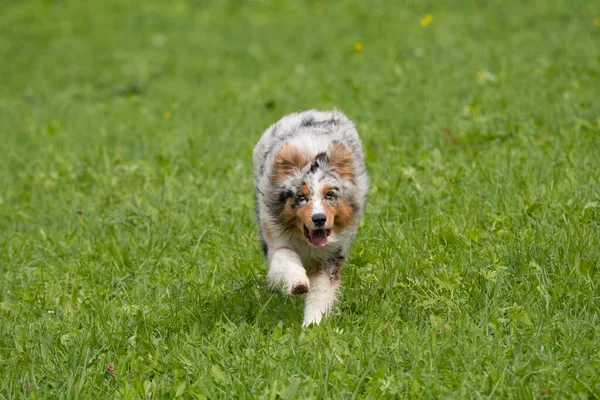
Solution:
(287, 273)
(322, 296)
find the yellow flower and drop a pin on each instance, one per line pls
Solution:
(168, 114)
(597, 22)
(426, 20)
(480, 74)
(358, 46)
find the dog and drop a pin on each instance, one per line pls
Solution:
(311, 189)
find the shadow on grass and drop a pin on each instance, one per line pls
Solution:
(249, 302)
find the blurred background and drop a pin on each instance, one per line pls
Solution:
(126, 204)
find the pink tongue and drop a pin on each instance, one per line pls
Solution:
(318, 238)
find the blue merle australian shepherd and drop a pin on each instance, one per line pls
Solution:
(311, 188)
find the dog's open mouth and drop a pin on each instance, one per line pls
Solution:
(318, 237)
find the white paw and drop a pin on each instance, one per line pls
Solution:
(300, 286)
(312, 317)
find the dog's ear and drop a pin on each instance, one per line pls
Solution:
(340, 160)
(288, 159)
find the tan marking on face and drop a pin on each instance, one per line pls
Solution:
(305, 191)
(330, 212)
(340, 160)
(325, 190)
(344, 215)
(288, 160)
(289, 218)
(304, 214)
(294, 219)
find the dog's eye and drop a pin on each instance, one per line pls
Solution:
(302, 198)
(330, 196)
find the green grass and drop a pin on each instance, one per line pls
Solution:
(126, 213)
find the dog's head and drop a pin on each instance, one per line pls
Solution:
(315, 194)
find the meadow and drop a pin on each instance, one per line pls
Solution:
(130, 265)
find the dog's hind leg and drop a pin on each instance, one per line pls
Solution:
(322, 296)
(287, 273)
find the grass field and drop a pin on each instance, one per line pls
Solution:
(129, 261)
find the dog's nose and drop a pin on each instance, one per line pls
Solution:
(319, 219)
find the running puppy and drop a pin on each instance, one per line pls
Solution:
(311, 188)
